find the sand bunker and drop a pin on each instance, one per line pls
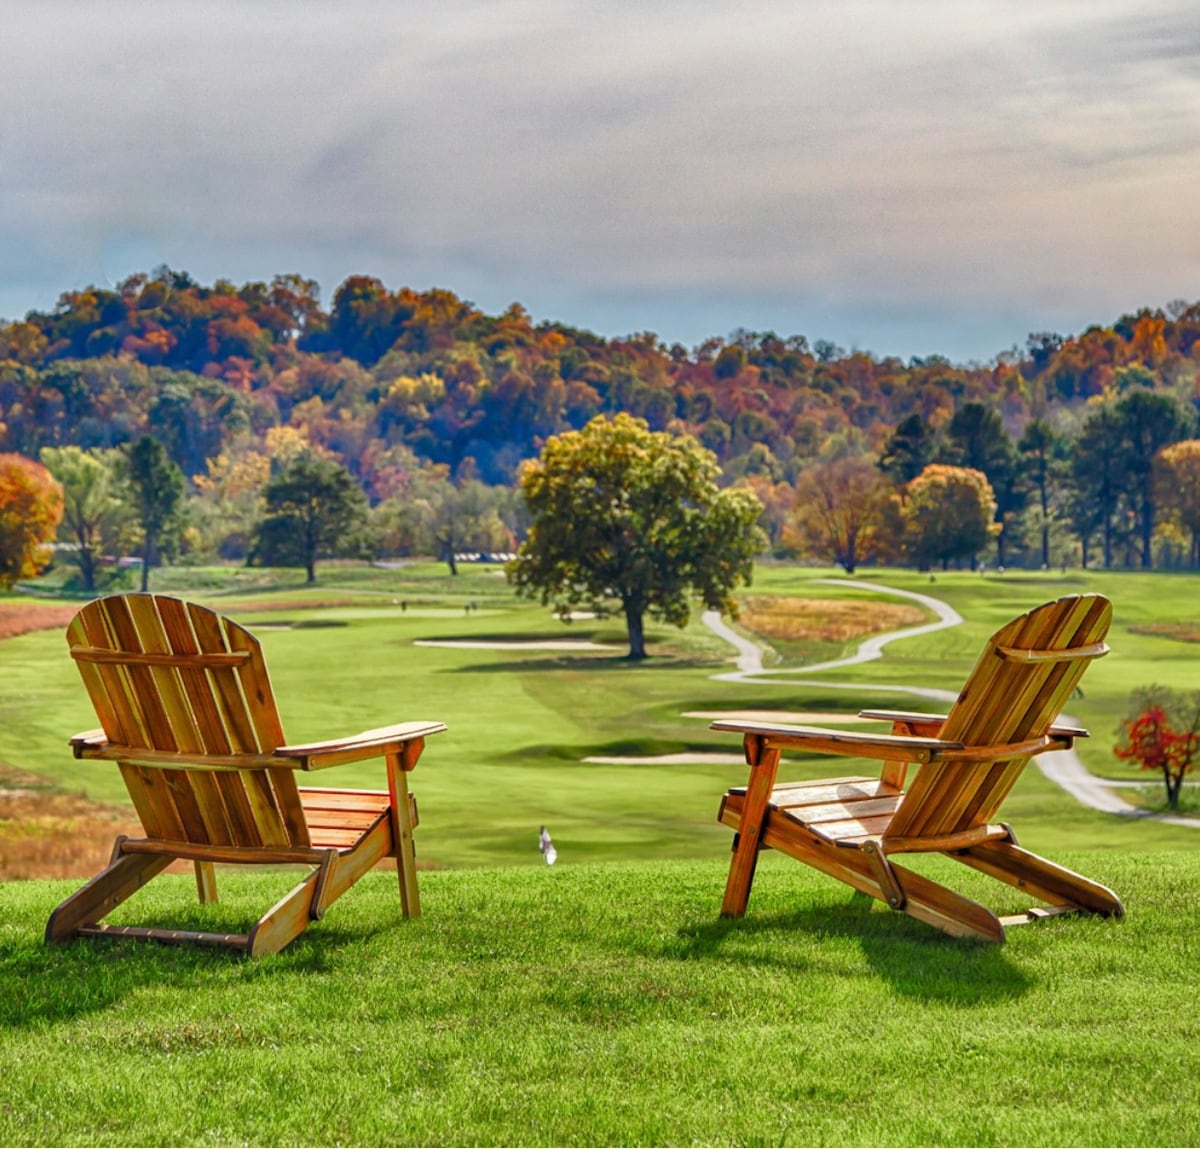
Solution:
(568, 644)
(796, 717)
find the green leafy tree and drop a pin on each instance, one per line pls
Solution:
(156, 485)
(1043, 457)
(909, 450)
(622, 512)
(315, 509)
(1096, 499)
(976, 438)
(95, 507)
(949, 514)
(1148, 422)
(462, 518)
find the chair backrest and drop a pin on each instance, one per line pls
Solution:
(1024, 677)
(167, 676)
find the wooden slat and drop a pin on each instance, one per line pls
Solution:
(148, 791)
(207, 793)
(106, 685)
(838, 811)
(140, 681)
(145, 658)
(176, 760)
(197, 685)
(230, 855)
(1002, 701)
(264, 808)
(1094, 650)
(225, 685)
(168, 937)
(315, 798)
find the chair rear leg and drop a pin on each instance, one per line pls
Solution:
(122, 878)
(936, 905)
(1042, 878)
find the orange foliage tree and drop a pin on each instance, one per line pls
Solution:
(1163, 734)
(31, 507)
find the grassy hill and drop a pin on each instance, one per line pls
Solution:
(607, 1004)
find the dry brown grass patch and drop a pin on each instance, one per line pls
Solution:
(45, 833)
(1180, 631)
(22, 617)
(826, 620)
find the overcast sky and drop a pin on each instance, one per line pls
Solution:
(899, 176)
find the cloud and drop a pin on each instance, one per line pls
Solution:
(880, 166)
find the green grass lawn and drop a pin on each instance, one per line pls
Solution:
(521, 722)
(605, 1004)
(608, 1004)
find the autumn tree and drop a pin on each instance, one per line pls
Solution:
(156, 486)
(314, 509)
(622, 512)
(1162, 733)
(1178, 485)
(96, 507)
(949, 514)
(840, 510)
(31, 506)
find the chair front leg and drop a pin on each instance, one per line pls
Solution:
(764, 764)
(398, 766)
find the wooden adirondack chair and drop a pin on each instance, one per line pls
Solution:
(188, 715)
(967, 763)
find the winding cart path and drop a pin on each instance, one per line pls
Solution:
(1062, 767)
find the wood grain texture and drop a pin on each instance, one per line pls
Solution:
(967, 762)
(187, 713)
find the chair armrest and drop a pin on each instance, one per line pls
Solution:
(375, 743)
(915, 718)
(87, 740)
(814, 740)
(888, 747)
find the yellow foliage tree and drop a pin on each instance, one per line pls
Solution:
(31, 507)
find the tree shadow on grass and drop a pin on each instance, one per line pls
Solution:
(916, 960)
(568, 661)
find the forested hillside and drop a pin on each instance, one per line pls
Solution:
(407, 388)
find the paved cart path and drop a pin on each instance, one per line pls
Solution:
(1062, 767)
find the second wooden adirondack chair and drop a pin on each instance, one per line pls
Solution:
(968, 761)
(188, 714)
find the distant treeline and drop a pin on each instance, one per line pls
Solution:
(391, 381)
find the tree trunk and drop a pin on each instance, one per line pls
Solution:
(146, 565)
(87, 567)
(637, 635)
(1147, 534)
(310, 568)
